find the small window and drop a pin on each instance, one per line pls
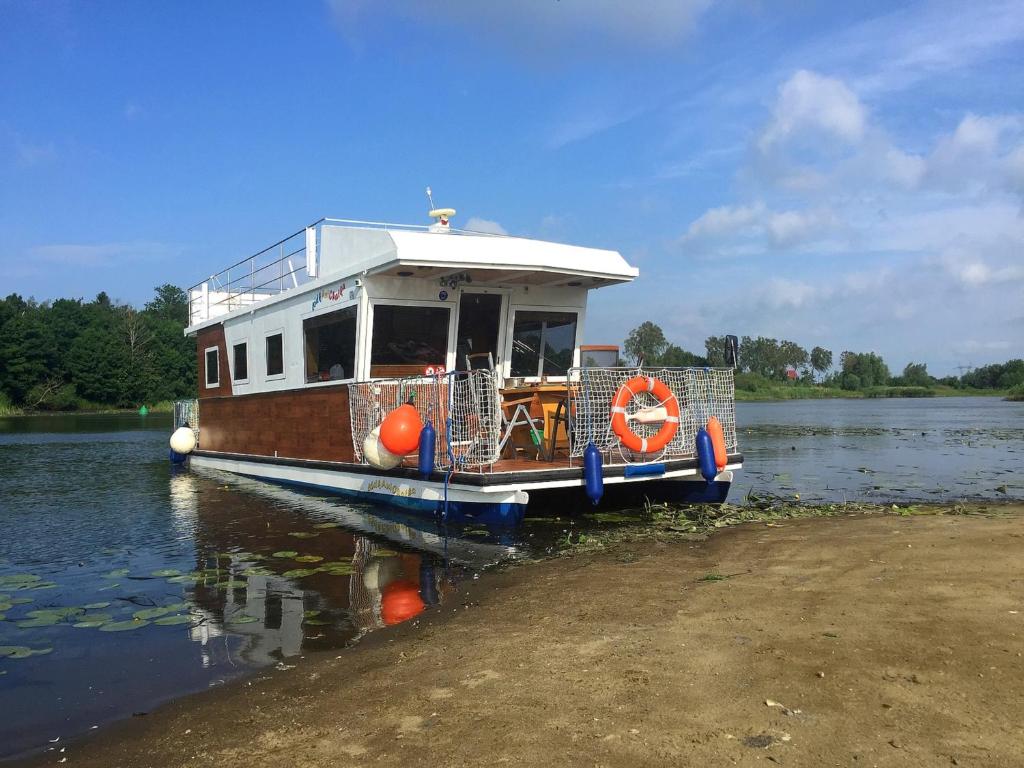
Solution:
(212, 367)
(331, 345)
(408, 339)
(543, 343)
(240, 370)
(275, 355)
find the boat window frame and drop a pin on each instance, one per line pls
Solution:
(206, 367)
(367, 349)
(243, 342)
(580, 313)
(267, 376)
(331, 309)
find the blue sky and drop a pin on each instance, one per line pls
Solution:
(845, 176)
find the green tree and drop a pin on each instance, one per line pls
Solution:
(645, 344)
(821, 360)
(916, 375)
(677, 357)
(861, 370)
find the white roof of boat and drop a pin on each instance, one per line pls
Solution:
(352, 250)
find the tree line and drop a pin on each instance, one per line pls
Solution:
(781, 360)
(70, 353)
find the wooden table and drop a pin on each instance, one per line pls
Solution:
(541, 400)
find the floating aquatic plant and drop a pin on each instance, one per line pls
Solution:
(289, 553)
(308, 559)
(165, 572)
(303, 534)
(123, 626)
(324, 526)
(178, 618)
(21, 651)
(241, 618)
(155, 612)
(298, 573)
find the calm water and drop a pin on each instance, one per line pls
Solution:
(124, 583)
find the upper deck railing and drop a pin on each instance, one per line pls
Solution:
(283, 266)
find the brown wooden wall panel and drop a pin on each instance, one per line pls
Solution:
(213, 337)
(309, 423)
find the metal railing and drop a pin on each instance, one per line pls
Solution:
(280, 267)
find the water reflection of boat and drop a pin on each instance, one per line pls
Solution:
(250, 601)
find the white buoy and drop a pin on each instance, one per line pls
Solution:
(183, 440)
(376, 454)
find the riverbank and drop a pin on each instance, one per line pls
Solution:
(784, 391)
(875, 640)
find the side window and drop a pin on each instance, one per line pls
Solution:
(275, 355)
(543, 343)
(331, 345)
(240, 370)
(212, 367)
(408, 339)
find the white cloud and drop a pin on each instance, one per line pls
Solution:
(101, 254)
(726, 220)
(531, 24)
(476, 224)
(781, 228)
(811, 103)
(31, 154)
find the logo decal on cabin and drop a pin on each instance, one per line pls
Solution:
(328, 294)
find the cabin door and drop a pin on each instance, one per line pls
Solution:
(479, 329)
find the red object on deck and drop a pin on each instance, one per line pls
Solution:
(400, 430)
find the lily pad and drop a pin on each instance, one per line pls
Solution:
(304, 534)
(39, 621)
(298, 573)
(233, 584)
(324, 526)
(384, 553)
(21, 651)
(185, 578)
(286, 553)
(18, 580)
(120, 573)
(179, 618)
(6, 606)
(311, 614)
(257, 570)
(60, 613)
(316, 622)
(123, 626)
(41, 585)
(165, 572)
(156, 611)
(95, 606)
(242, 618)
(308, 559)
(92, 622)
(115, 585)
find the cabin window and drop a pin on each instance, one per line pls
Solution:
(240, 369)
(331, 345)
(275, 355)
(212, 367)
(408, 339)
(543, 343)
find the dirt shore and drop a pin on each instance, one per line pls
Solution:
(867, 641)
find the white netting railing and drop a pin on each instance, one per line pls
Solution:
(186, 412)
(471, 398)
(701, 393)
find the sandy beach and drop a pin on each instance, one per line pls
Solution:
(866, 640)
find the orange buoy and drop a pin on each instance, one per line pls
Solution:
(400, 601)
(400, 430)
(714, 429)
(619, 424)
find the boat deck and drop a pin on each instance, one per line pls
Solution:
(521, 471)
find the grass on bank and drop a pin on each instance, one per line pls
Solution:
(752, 387)
(666, 522)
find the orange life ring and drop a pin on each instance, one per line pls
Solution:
(621, 429)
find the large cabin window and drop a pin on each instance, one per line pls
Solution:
(212, 367)
(543, 343)
(331, 345)
(240, 369)
(406, 340)
(275, 355)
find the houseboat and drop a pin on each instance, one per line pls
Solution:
(441, 371)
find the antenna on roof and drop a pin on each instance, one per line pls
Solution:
(441, 214)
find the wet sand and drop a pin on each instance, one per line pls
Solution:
(853, 641)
